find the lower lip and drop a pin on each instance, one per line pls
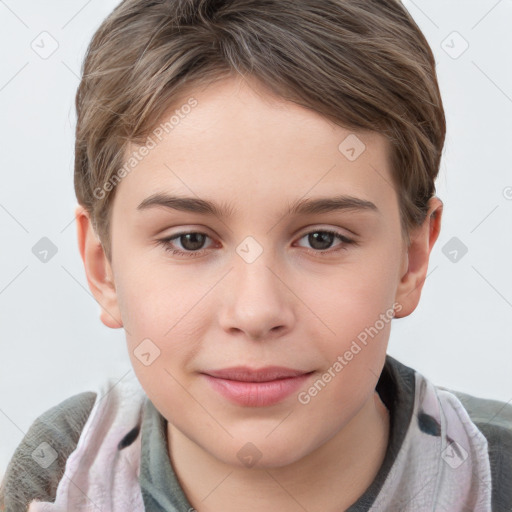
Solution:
(257, 394)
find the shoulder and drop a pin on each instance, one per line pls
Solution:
(487, 410)
(38, 463)
(494, 419)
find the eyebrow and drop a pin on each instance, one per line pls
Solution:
(298, 207)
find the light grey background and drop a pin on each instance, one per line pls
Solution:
(53, 344)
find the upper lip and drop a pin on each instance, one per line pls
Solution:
(247, 374)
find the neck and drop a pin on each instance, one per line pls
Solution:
(331, 478)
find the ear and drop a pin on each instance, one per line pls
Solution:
(97, 269)
(416, 258)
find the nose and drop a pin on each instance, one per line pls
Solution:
(257, 301)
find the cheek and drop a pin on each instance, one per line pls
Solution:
(358, 312)
(354, 296)
(155, 299)
(158, 314)
(161, 340)
(357, 307)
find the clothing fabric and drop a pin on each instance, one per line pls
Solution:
(102, 473)
(444, 453)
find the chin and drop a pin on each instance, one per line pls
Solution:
(264, 454)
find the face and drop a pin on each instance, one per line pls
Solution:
(264, 277)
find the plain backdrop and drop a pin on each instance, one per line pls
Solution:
(53, 344)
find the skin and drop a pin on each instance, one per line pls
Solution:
(292, 306)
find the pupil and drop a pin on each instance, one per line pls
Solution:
(194, 237)
(324, 238)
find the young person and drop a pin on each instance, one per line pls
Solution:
(256, 187)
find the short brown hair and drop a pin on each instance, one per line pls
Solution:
(364, 64)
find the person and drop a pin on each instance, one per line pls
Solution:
(256, 188)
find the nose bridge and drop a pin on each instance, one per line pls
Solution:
(256, 300)
(252, 271)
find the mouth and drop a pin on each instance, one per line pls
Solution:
(246, 374)
(256, 387)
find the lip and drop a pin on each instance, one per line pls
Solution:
(247, 374)
(256, 387)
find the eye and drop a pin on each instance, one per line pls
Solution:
(321, 241)
(191, 242)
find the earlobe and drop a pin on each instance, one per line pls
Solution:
(97, 269)
(416, 259)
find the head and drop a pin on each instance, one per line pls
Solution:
(254, 109)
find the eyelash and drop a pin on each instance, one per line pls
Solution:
(165, 242)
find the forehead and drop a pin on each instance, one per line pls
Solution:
(235, 141)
